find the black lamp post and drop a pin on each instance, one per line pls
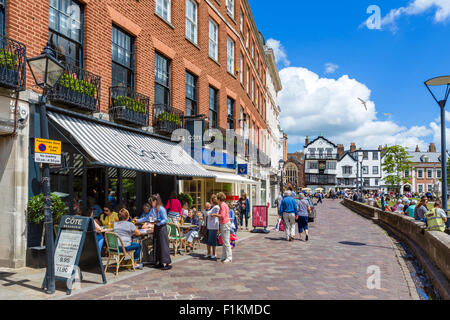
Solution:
(46, 71)
(281, 165)
(442, 81)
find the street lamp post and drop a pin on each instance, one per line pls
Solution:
(360, 159)
(46, 71)
(442, 81)
(281, 165)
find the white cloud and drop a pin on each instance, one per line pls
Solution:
(330, 68)
(279, 51)
(313, 106)
(441, 7)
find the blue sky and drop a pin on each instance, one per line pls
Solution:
(392, 63)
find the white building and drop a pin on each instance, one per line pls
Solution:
(321, 160)
(273, 150)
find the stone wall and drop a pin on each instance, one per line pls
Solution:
(430, 246)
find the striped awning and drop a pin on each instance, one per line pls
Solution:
(120, 148)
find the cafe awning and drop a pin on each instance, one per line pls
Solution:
(232, 178)
(120, 148)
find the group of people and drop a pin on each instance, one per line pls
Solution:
(292, 210)
(433, 215)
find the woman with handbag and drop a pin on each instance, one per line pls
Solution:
(212, 224)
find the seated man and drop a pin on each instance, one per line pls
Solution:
(192, 233)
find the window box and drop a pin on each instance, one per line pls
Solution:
(166, 119)
(12, 64)
(77, 88)
(128, 106)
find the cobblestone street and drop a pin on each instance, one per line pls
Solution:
(332, 265)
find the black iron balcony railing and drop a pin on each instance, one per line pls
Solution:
(263, 159)
(77, 89)
(166, 119)
(12, 64)
(128, 106)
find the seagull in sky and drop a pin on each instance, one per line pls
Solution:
(363, 102)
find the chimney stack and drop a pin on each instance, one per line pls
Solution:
(306, 141)
(340, 149)
(432, 147)
(380, 147)
(352, 147)
(417, 149)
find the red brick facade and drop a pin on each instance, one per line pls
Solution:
(27, 22)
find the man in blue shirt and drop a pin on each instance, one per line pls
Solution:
(288, 211)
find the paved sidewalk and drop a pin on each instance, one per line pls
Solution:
(332, 265)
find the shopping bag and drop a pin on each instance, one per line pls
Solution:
(280, 225)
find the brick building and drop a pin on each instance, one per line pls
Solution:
(294, 170)
(135, 67)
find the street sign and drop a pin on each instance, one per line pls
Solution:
(47, 151)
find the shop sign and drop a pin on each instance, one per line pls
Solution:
(47, 151)
(242, 169)
(76, 249)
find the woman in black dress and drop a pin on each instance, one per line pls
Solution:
(160, 235)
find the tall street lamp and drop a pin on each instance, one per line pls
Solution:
(46, 71)
(442, 81)
(360, 159)
(281, 165)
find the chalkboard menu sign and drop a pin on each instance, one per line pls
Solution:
(76, 249)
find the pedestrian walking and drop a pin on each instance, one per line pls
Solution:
(288, 211)
(212, 225)
(302, 217)
(244, 209)
(225, 228)
(319, 197)
(160, 235)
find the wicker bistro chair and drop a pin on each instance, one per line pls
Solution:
(116, 251)
(176, 238)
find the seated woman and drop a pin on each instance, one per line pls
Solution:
(89, 212)
(126, 230)
(192, 233)
(148, 216)
(108, 215)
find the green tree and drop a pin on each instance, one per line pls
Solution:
(395, 163)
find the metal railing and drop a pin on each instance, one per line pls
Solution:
(128, 106)
(166, 119)
(78, 89)
(12, 64)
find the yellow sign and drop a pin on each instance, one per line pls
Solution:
(47, 146)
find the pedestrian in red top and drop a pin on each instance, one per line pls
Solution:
(173, 207)
(225, 228)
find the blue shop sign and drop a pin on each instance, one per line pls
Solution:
(217, 159)
(242, 169)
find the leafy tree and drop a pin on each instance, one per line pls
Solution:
(35, 209)
(396, 161)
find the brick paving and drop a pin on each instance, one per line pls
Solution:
(332, 265)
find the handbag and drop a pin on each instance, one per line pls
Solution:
(204, 229)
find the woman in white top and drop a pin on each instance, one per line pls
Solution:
(212, 224)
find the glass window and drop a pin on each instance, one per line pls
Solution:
(162, 80)
(191, 20)
(375, 155)
(420, 188)
(247, 38)
(347, 170)
(253, 89)
(438, 173)
(213, 40)
(191, 94)
(3, 17)
(241, 69)
(365, 170)
(65, 21)
(230, 112)
(420, 173)
(242, 22)
(429, 173)
(230, 56)
(375, 170)
(406, 173)
(162, 8)
(248, 80)
(365, 155)
(230, 7)
(122, 58)
(213, 107)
